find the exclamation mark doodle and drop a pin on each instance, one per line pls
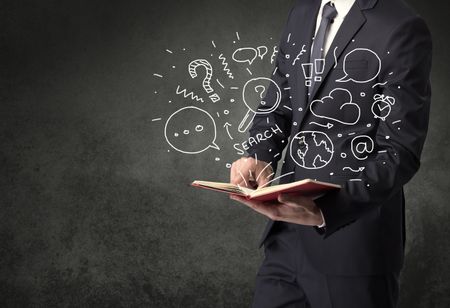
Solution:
(319, 66)
(307, 72)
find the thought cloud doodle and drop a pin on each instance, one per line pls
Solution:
(338, 106)
(362, 146)
(311, 149)
(191, 130)
(256, 101)
(361, 65)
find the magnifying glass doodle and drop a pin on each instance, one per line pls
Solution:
(255, 91)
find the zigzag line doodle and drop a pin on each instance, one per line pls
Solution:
(225, 66)
(188, 95)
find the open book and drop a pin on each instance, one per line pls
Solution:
(307, 187)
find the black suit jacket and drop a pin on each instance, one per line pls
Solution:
(366, 133)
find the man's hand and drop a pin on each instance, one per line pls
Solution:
(248, 172)
(291, 207)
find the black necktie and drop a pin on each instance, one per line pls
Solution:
(328, 14)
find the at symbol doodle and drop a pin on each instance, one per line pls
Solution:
(362, 146)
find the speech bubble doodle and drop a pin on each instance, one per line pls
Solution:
(191, 130)
(245, 55)
(338, 106)
(356, 74)
(262, 51)
(311, 149)
(362, 146)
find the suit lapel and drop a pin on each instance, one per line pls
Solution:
(352, 23)
(307, 25)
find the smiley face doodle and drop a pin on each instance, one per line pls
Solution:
(191, 130)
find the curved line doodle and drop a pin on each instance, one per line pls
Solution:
(299, 55)
(354, 170)
(274, 54)
(335, 57)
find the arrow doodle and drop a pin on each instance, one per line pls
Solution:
(227, 128)
(328, 125)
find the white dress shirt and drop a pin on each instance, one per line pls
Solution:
(342, 8)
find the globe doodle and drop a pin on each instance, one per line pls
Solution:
(311, 149)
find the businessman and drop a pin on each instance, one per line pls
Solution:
(353, 101)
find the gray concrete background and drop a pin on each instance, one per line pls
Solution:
(95, 212)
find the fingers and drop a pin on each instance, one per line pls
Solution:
(264, 173)
(242, 172)
(265, 208)
(296, 200)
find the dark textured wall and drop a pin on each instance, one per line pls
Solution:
(94, 210)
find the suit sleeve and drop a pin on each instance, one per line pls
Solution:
(396, 157)
(278, 122)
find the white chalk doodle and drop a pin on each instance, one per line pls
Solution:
(220, 84)
(277, 178)
(225, 66)
(362, 146)
(262, 51)
(274, 54)
(249, 54)
(311, 149)
(227, 128)
(245, 55)
(381, 107)
(328, 125)
(360, 169)
(302, 52)
(199, 134)
(254, 91)
(192, 67)
(338, 106)
(190, 95)
(371, 65)
(379, 84)
(307, 73)
(335, 57)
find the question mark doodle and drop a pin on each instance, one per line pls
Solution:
(207, 80)
(260, 90)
